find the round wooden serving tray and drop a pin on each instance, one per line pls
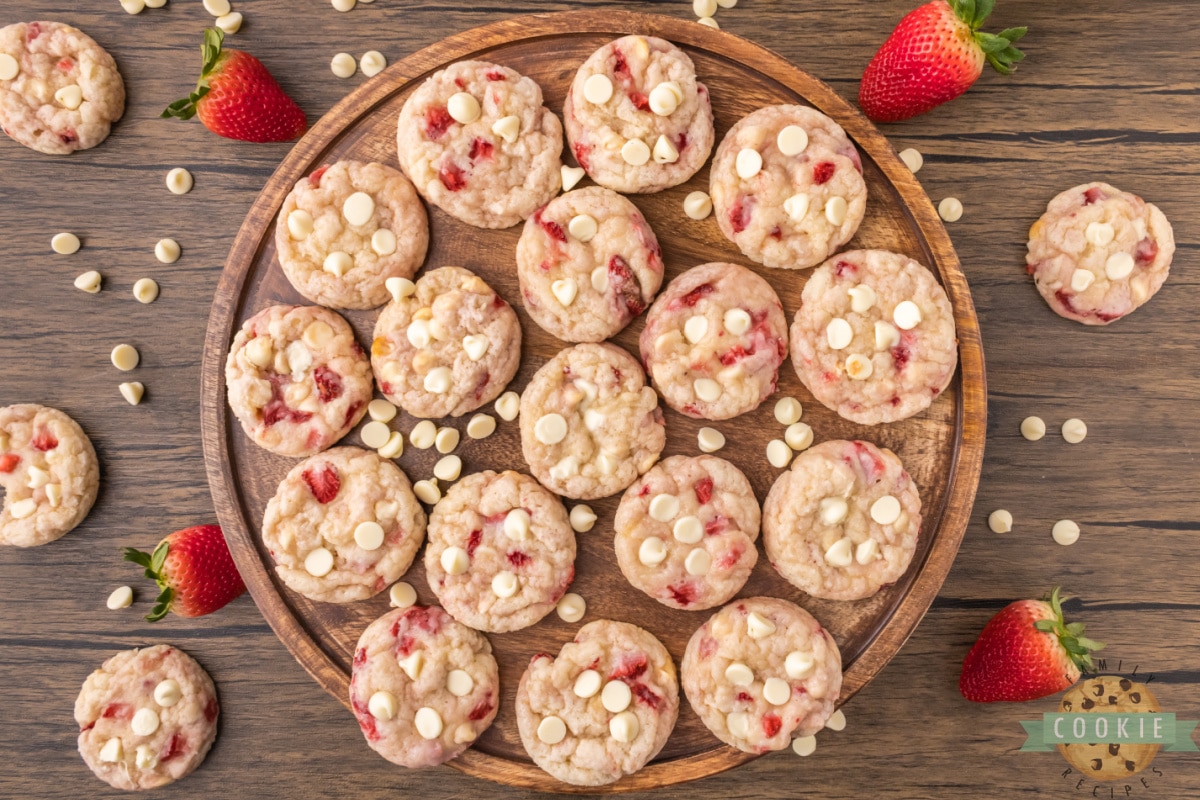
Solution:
(942, 448)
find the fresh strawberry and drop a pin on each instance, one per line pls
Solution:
(1025, 652)
(935, 54)
(194, 569)
(237, 98)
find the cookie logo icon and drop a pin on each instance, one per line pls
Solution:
(1107, 694)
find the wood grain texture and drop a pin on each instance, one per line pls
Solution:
(1109, 90)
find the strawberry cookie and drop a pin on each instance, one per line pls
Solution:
(447, 347)
(343, 526)
(874, 337)
(348, 227)
(59, 90)
(686, 532)
(477, 142)
(146, 718)
(501, 551)
(787, 186)
(1098, 253)
(297, 379)
(714, 340)
(843, 522)
(589, 423)
(636, 117)
(588, 264)
(603, 708)
(49, 474)
(761, 671)
(423, 687)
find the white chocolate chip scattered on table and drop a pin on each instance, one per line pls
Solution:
(571, 607)
(179, 181)
(372, 63)
(1000, 521)
(710, 440)
(582, 518)
(709, 22)
(64, 243)
(1033, 428)
(788, 410)
(402, 595)
(727, 3)
(344, 5)
(1065, 532)
(394, 447)
(446, 440)
(343, 65)
(381, 410)
(508, 406)
(448, 468)
(89, 282)
(427, 492)
(399, 287)
(133, 6)
(230, 23)
(423, 435)
(798, 436)
(950, 209)
(121, 597)
(124, 357)
(218, 8)
(1074, 430)
(804, 745)
(167, 251)
(145, 290)
(571, 176)
(836, 721)
(912, 159)
(704, 8)
(132, 391)
(375, 434)
(697, 205)
(481, 426)
(778, 453)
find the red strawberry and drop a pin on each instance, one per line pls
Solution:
(194, 569)
(1025, 652)
(935, 54)
(237, 98)
(323, 481)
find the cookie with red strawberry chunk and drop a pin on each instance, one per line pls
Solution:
(236, 97)
(935, 54)
(1025, 652)
(194, 570)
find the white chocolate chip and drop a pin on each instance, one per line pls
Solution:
(583, 227)
(1081, 279)
(748, 163)
(707, 389)
(455, 561)
(792, 140)
(796, 206)
(232, 23)
(64, 243)
(779, 455)
(799, 665)
(550, 429)
(866, 552)
(145, 290)
(668, 340)
(862, 298)
(459, 682)
(697, 205)
(464, 732)
(571, 607)
(698, 562)
(885, 510)
(688, 530)
(9, 67)
(508, 406)
(337, 263)
(402, 595)
(840, 553)
(1118, 266)
(1033, 428)
(179, 181)
(950, 209)
(758, 626)
(704, 8)
(112, 750)
(709, 22)
(475, 345)
(400, 287)
(383, 705)
(1074, 430)
(833, 510)
(218, 8)
(836, 209)
(727, 3)
(38, 477)
(1099, 233)
(664, 151)
(907, 315)
(736, 321)
(597, 89)
(798, 436)
(616, 696)
(652, 551)
(836, 721)
(369, 535)
(551, 730)
(664, 507)
(144, 757)
(635, 152)
(507, 128)
(710, 440)
(359, 208)
(587, 683)
(379, 410)
(53, 494)
(582, 518)
(481, 426)
(564, 290)
(446, 440)
(124, 357)
(413, 665)
(428, 723)
(383, 242)
(89, 282)
(145, 722)
(343, 65)
(132, 391)
(463, 108)
(805, 745)
(318, 562)
(394, 447)
(70, 96)
(438, 380)
(738, 723)
(739, 674)
(1065, 532)
(839, 334)
(887, 335)
(419, 334)
(427, 492)
(912, 159)
(299, 359)
(375, 434)
(695, 328)
(571, 176)
(299, 224)
(168, 692)
(1000, 521)
(776, 691)
(344, 5)
(371, 63)
(859, 367)
(448, 468)
(665, 98)
(121, 597)
(517, 524)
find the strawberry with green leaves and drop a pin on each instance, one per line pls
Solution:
(935, 54)
(194, 569)
(237, 98)
(1025, 652)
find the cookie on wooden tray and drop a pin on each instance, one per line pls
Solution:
(636, 117)
(423, 687)
(714, 340)
(787, 186)
(348, 227)
(49, 474)
(685, 532)
(843, 521)
(1098, 253)
(588, 264)
(1109, 694)
(589, 423)
(343, 525)
(874, 338)
(501, 551)
(297, 379)
(602, 708)
(762, 671)
(59, 90)
(146, 718)
(477, 142)
(447, 346)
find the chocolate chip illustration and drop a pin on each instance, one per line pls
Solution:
(1135, 697)
(1097, 764)
(1098, 690)
(1113, 749)
(1129, 765)
(1126, 684)
(1112, 699)
(1088, 704)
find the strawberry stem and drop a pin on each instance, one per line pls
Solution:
(1070, 635)
(153, 562)
(210, 52)
(998, 48)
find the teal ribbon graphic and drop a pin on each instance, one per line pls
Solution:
(1162, 728)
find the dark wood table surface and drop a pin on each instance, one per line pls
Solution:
(1109, 91)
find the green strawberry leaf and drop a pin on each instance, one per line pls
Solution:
(1013, 34)
(1074, 628)
(137, 557)
(983, 10)
(211, 57)
(158, 557)
(162, 604)
(1045, 625)
(1089, 643)
(990, 43)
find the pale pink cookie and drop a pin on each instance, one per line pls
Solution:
(589, 423)
(603, 708)
(501, 551)
(297, 379)
(843, 522)
(449, 347)
(714, 340)
(787, 186)
(49, 474)
(874, 337)
(343, 525)
(348, 227)
(423, 687)
(636, 117)
(146, 718)
(1098, 253)
(588, 264)
(686, 532)
(477, 142)
(65, 91)
(760, 671)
